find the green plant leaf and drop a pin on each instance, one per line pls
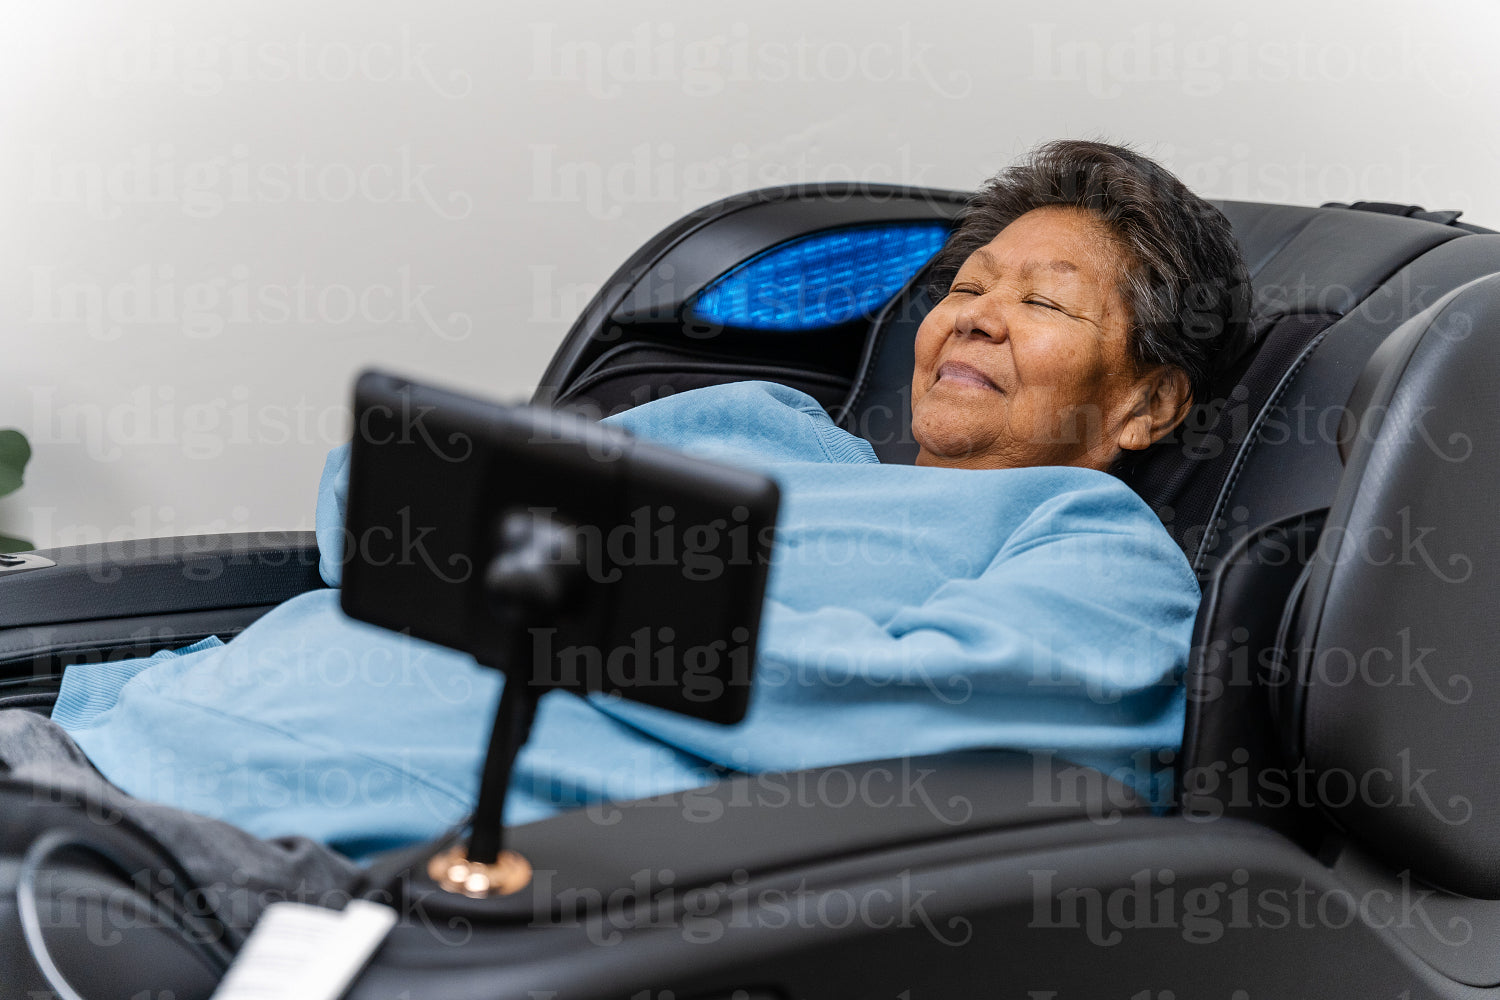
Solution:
(9, 544)
(14, 454)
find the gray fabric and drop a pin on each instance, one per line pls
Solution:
(237, 875)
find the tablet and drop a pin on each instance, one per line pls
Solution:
(654, 587)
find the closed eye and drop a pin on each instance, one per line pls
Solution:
(1044, 304)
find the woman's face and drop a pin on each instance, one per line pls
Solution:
(1026, 361)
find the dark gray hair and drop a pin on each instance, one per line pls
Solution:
(1185, 281)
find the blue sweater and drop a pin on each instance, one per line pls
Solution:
(909, 611)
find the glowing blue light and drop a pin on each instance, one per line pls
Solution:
(821, 280)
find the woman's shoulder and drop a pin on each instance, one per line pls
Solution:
(1082, 491)
(749, 420)
(1076, 502)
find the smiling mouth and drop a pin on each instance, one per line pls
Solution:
(956, 373)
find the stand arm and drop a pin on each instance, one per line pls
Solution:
(518, 701)
(534, 573)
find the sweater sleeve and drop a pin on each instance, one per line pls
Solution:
(1074, 637)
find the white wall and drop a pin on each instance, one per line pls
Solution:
(212, 215)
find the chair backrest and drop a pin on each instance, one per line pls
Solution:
(1328, 297)
(1244, 486)
(1392, 636)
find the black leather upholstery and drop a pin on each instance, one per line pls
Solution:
(1293, 464)
(117, 600)
(1396, 636)
(775, 822)
(1232, 760)
(878, 407)
(1245, 488)
(1146, 906)
(160, 575)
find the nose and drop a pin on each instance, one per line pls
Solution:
(981, 316)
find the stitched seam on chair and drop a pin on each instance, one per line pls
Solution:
(864, 376)
(1250, 441)
(1192, 751)
(1215, 616)
(882, 325)
(1280, 246)
(865, 379)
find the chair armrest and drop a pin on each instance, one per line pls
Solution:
(154, 576)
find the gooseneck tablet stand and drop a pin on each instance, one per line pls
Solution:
(483, 527)
(532, 576)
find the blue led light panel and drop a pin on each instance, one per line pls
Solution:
(821, 280)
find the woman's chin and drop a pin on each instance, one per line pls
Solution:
(941, 443)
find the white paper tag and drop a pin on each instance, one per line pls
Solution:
(301, 952)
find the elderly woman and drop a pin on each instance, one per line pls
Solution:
(1006, 591)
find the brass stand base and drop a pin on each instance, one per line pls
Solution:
(454, 872)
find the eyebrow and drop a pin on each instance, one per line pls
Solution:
(1064, 266)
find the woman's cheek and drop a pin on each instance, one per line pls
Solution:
(925, 352)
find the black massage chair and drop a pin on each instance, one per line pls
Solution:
(1332, 834)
